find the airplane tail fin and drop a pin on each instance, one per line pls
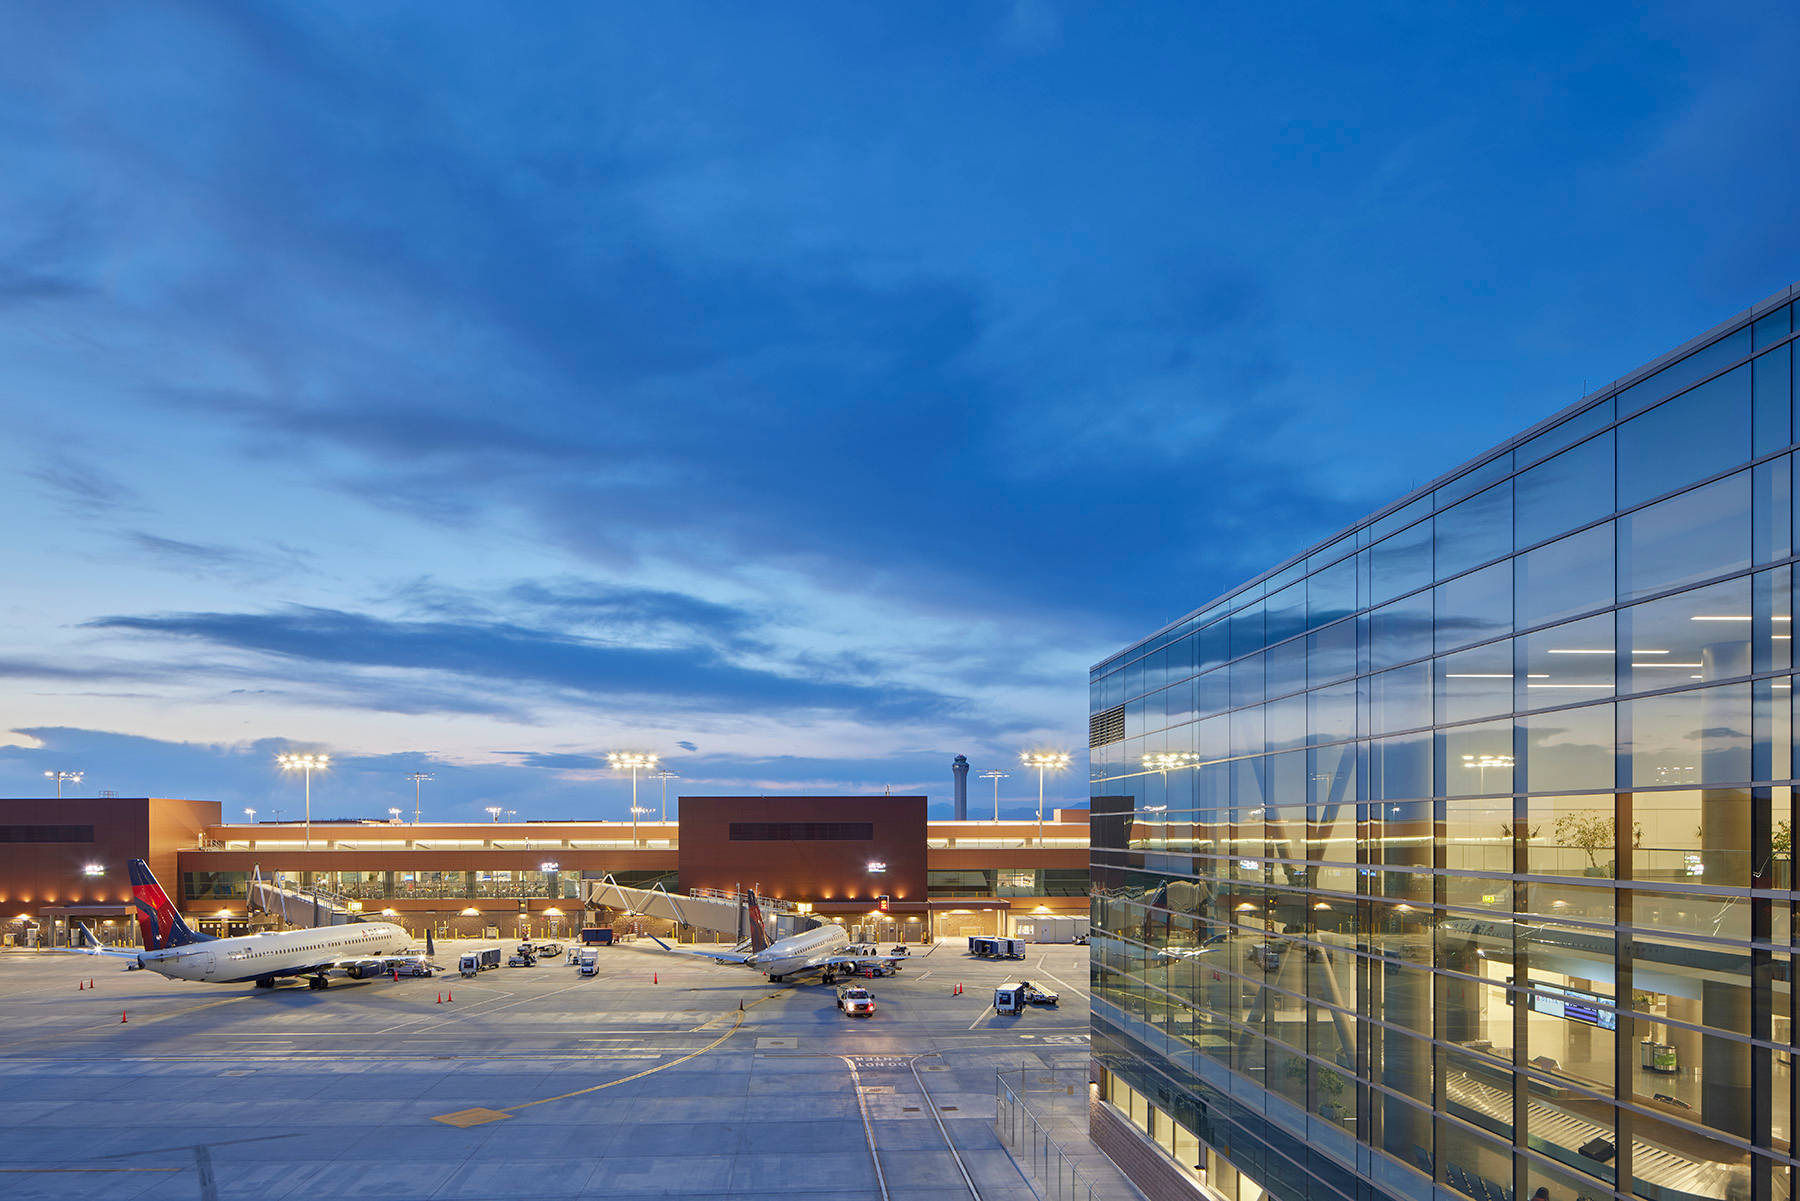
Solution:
(158, 921)
(759, 934)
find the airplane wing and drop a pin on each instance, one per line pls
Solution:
(838, 960)
(94, 947)
(716, 956)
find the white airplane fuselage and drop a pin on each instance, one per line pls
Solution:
(234, 960)
(792, 953)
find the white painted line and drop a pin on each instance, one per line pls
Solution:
(985, 1015)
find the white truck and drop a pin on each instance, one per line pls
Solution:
(589, 962)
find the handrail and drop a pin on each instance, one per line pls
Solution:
(1051, 1172)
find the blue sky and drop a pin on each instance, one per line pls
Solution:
(805, 395)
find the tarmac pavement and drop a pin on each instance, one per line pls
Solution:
(646, 1081)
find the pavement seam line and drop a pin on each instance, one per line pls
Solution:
(735, 1026)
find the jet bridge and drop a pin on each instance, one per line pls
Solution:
(705, 909)
(294, 906)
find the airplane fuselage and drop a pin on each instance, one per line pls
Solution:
(790, 954)
(289, 953)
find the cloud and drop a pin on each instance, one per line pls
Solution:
(500, 656)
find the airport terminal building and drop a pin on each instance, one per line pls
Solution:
(63, 860)
(1453, 856)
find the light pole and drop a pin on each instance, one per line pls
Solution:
(73, 777)
(635, 760)
(305, 763)
(251, 814)
(996, 777)
(394, 813)
(665, 776)
(418, 778)
(1044, 761)
(494, 812)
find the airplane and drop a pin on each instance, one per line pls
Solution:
(172, 949)
(814, 950)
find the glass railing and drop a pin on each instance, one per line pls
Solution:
(1053, 1174)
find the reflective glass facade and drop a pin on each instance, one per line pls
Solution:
(1456, 853)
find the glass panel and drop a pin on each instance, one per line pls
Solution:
(1699, 433)
(1702, 533)
(1588, 421)
(1475, 683)
(1772, 378)
(1475, 531)
(1772, 504)
(1571, 836)
(1473, 480)
(1477, 760)
(1331, 713)
(1286, 722)
(1572, 489)
(1772, 328)
(1678, 375)
(1567, 750)
(1400, 767)
(1400, 699)
(1284, 667)
(1247, 731)
(1247, 681)
(1402, 563)
(1480, 840)
(1565, 664)
(1699, 635)
(1285, 613)
(1687, 738)
(1563, 578)
(1475, 607)
(1400, 632)
(1331, 653)
(1331, 593)
(1692, 836)
(1246, 626)
(1212, 693)
(1212, 645)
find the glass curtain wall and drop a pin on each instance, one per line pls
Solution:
(1458, 853)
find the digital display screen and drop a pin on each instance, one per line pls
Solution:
(1553, 1000)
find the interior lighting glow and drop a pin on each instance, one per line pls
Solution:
(1606, 686)
(1582, 651)
(1478, 675)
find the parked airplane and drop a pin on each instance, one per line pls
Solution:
(173, 950)
(815, 950)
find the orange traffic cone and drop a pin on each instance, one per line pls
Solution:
(653, 977)
(90, 982)
(121, 1017)
(79, 986)
(440, 999)
(451, 997)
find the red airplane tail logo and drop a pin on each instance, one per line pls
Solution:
(759, 934)
(158, 922)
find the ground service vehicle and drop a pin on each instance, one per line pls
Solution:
(601, 936)
(410, 967)
(479, 960)
(856, 1001)
(1039, 996)
(1010, 998)
(589, 963)
(522, 958)
(901, 950)
(360, 968)
(990, 947)
(547, 949)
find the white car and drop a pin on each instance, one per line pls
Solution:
(856, 1001)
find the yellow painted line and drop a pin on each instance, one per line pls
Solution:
(480, 1115)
